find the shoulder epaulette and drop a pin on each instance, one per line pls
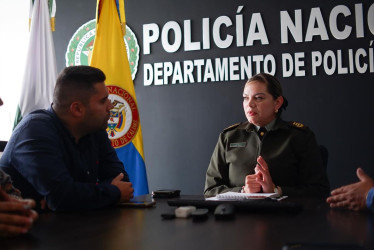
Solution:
(231, 127)
(297, 125)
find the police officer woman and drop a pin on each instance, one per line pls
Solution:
(266, 154)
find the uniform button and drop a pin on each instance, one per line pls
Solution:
(88, 172)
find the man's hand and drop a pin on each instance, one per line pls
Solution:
(127, 192)
(352, 196)
(264, 179)
(16, 215)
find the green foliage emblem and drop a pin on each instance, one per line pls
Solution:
(81, 44)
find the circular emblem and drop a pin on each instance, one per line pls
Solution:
(81, 44)
(124, 121)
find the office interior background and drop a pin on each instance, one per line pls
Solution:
(194, 59)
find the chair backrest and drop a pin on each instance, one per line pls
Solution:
(324, 154)
(2, 145)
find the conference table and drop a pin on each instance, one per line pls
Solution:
(144, 228)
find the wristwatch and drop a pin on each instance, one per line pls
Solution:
(277, 190)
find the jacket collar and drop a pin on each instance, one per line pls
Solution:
(249, 127)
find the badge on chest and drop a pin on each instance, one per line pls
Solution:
(238, 145)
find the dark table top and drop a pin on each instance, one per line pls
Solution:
(144, 228)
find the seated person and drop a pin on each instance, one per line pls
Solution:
(356, 196)
(16, 214)
(266, 154)
(62, 156)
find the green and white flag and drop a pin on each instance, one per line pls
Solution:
(41, 72)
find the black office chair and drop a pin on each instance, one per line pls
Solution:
(2, 145)
(324, 154)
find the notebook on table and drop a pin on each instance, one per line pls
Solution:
(247, 205)
(243, 196)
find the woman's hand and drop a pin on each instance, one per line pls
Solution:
(264, 178)
(251, 184)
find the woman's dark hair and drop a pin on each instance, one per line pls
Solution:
(273, 86)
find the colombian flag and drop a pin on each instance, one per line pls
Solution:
(109, 54)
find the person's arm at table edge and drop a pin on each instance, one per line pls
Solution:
(216, 175)
(57, 185)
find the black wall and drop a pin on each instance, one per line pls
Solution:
(181, 122)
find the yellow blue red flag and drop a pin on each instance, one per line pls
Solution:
(109, 54)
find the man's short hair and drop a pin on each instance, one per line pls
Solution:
(76, 83)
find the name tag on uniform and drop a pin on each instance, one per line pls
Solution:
(238, 145)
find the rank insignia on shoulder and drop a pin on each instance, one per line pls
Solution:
(231, 127)
(297, 125)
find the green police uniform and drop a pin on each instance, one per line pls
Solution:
(289, 148)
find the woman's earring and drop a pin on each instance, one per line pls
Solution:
(276, 111)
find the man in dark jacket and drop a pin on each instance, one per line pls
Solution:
(62, 156)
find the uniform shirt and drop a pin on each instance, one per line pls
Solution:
(290, 150)
(268, 127)
(370, 200)
(46, 163)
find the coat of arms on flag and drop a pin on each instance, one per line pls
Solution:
(124, 119)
